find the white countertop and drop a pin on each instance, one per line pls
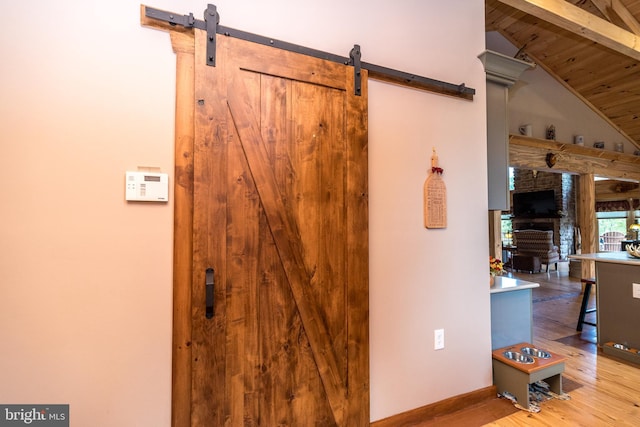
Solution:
(508, 284)
(620, 257)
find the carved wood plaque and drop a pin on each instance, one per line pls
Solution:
(435, 202)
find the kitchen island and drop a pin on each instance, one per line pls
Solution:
(511, 311)
(618, 302)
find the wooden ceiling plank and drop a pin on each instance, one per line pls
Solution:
(585, 64)
(610, 103)
(574, 19)
(555, 48)
(555, 52)
(624, 117)
(498, 15)
(618, 94)
(601, 68)
(603, 93)
(591, 79)
(630, 120)
(603, 87)
(585, 70)
(624, 111)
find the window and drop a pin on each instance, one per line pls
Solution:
(507, 226)
(612, 229)
(506, 230)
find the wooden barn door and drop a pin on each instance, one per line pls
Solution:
(280, 220)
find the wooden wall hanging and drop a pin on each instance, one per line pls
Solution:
(435, 196)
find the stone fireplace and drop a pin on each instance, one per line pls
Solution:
(565, 189)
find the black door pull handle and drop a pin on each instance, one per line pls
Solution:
(209, 281)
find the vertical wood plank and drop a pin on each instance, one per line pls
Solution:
(495, 234)
(244, 245)
(183, 46)
(209, 404)
(241, 328)
(276, 318)
(357, 237)
(587, 221)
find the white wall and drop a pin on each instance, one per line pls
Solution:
(85, 278)
(540, 100)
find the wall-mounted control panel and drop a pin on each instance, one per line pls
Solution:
(147, 187)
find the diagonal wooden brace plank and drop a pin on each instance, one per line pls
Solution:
(285, 235)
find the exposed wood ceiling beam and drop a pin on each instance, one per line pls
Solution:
(530, 153)
(610, 190)
(618, 14)
(571, 18)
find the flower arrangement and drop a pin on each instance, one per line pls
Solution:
(496, 266)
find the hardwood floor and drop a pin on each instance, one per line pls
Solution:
(604, 391)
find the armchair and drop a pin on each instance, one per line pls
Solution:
(537, 243)
(610, 241)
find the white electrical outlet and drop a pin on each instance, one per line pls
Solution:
(438, 339)
(636, 290)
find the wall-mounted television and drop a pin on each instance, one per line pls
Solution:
(535, 204)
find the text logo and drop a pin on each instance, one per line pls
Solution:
(34, 415)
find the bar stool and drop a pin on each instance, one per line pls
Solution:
(588, 283)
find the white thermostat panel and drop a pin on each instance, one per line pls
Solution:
(147, 187)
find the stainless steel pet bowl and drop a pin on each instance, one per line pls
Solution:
(535, 352)
(518, 357)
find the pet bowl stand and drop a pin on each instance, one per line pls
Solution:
(515, 377)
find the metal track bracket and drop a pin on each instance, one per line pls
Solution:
(212, 27)
(354, 56)
(212, 19)
(187, 21)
